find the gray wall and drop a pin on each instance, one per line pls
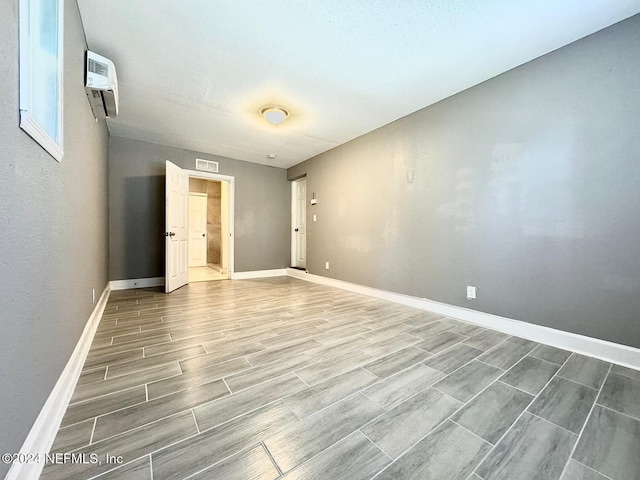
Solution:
(53, 218)
(526, 186)
(136, 209)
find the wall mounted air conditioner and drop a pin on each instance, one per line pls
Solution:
(101, 85)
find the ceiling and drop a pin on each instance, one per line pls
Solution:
(195, 73)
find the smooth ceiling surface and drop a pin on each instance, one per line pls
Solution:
(194, 73)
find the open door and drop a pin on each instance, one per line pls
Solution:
(176, 234)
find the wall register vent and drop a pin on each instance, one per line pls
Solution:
(206, 165)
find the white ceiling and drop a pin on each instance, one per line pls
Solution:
(194, 73)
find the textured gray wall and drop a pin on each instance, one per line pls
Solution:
(526, 186)
(53, 219)
(136, 209)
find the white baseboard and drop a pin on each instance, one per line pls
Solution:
(44, 430)
(280, 272)
(136, 283)
(592, 347)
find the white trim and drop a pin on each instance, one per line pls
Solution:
(136, 283)
(280, 272)
(592, 347)
(232, 196)
(44, 430)
(32, 128)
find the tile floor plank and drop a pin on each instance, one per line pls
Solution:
(585, 370)
(137, 470)
(224, 409)
(97, 389)
(308, 437)
(551, 354)
(621, 394)
(186, 457)
(530, 374)
(195, 377)
(467, 382)
(564, 403)
(253, 464)
(81, 411)
(452, 358)
(491, 413)
(323, 394)
(533, 448)
(151, 362)
(353, 458)
(132, 417)
(610, 444)
(447, 452)
(394, 390)
(440, 342)
(268, 371)
(397, 361)
(486, 340)
(326, 369)
(401, 427)
(504, 355)
(577, 471)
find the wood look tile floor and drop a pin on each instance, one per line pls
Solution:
(280, 378)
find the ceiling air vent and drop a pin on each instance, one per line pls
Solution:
(206, 165)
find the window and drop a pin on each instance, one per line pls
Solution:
(41, 41)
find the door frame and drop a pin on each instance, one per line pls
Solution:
(232, 188)
(294, 217)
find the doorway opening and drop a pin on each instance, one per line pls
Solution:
(177, 224)
(208, 229)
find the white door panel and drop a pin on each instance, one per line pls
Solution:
(176, 234)
(300, 223)
(197, 230)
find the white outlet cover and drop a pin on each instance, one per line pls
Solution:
(326, 265)
(472, 293)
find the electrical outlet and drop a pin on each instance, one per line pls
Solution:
(472, 293)
(314, 218)
(93, 295)
(326, 265)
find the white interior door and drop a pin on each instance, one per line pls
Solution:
(176, 234)
(197, 229)
(300, 223)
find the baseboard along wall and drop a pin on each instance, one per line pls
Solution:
(592, 347)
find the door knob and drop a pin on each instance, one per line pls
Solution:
(172, 234)
(296, 229)
(203, 234)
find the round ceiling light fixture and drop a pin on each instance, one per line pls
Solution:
(273, 114)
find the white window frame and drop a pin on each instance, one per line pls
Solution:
(30, 13)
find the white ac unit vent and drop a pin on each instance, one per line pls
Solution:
(101, 85)
(206, 165)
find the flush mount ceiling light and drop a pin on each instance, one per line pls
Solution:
(273, 114)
